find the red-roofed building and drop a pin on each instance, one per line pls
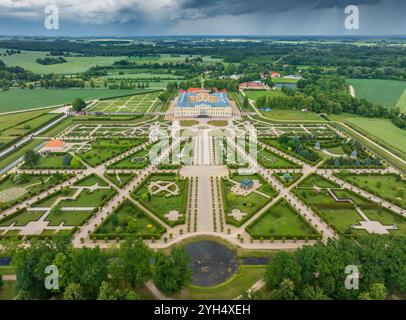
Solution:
(253, 85)
(275, 75)
(54, 146)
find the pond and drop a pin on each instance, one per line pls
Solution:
(211, 262)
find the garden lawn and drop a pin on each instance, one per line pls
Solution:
(162, 204)
(390, 187)
(105, 149)
(279, 221)
(138, 160)
(120, 179)
(55, 161)
(8, 291)
(68, 218)
(269, 160)
(91, 180)
(249, 204)
(88, 199)
(22, 218)
(117, 224)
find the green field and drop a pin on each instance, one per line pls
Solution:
(291, 115)
(254, 94)
(384, 130)
(281, 220)
(381, 92)
(26, 60)
(23, 99)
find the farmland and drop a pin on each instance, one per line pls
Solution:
(387, 93)
(18, 99)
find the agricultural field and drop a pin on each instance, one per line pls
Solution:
(388, 93)
(73, 65)
(23, 99)
(130, 104)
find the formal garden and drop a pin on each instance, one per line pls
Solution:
(390, 187)
(104, 149)
(129, 220)
(281, 221)
(347, 212)
(15, 188)
(239, 203)
(165, 195)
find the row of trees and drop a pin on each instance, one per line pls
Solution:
(91, 274)
(319, 272)
(329, 94)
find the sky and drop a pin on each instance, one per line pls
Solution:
(201, 17)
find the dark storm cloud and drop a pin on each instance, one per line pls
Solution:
(237, 7)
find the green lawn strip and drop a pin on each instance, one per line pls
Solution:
(7, 270)
(129, 220)
(21, 218)
(401, 104)
(69, 218)
(244, 278)
(255, 94)
(8, 290)
(162, 204)
(390, 187)
(188, 123)
(383, 154)
(281, 221)
(19, 152)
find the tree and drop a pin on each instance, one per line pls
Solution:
(67, 160)
(1, 281)
(286, 291)
(173, 272)
(246, 103)
(78, 104)
(56, 210)
(376, 292)
(31, 158)
(282, 266)
(107, 292)
(133, 266)
(88, 268)
(74, 292)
